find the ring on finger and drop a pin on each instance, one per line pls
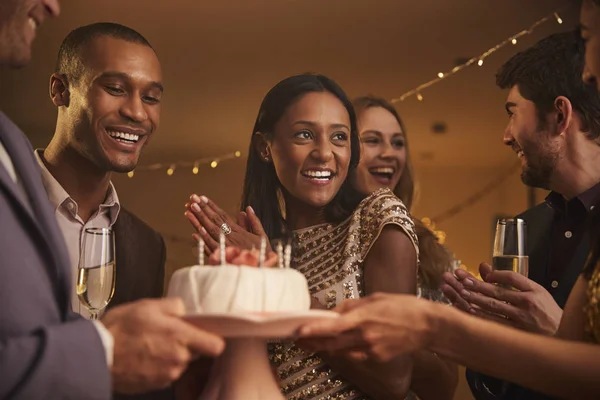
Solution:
(225, 229)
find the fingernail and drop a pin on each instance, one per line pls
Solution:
(195, 207)
(204, 199)
(465, 293)
(203, 230)
(468, 282)
(195, 198)
(472, 311)
(251, 209)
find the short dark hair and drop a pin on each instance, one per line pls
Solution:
(262, 187)
(69, 61)
(553, 67)
(405, 189)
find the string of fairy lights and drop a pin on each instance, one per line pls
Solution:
(479, 60)
(195, 165)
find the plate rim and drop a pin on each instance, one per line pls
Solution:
(257, 318)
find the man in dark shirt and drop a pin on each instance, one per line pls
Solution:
(554, 127)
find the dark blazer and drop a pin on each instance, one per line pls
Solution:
(539, 228)
(140, 256)
(46, 350)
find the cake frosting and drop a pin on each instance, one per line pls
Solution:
(233, 288)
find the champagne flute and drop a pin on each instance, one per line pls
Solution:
(96, 271)
(510, 247)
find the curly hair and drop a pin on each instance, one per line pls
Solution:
(434, 257)
(553, 68)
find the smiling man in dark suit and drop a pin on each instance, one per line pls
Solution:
(107, 88)
(554, 128)
(46, 350)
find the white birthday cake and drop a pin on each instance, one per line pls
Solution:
(248, 283)
(240, 288)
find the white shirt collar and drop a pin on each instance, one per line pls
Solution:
(59, 197)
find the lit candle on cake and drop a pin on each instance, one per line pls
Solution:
(279, 249)
(200, 252)
(222, 248)
(263, 249)
(287, 257)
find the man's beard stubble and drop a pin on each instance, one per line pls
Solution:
(539, 166)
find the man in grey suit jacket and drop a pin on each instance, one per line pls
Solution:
(47, 351)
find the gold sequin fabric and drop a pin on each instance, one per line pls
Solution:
(331, 257)
(592, 308)
(431, 294)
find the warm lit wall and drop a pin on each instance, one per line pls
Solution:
(469, 233)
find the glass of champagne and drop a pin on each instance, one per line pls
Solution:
(96, 272)
(510, 247)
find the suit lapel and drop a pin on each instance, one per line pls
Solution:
(575, 267)
(38, 208)
(581, 254)
(125, 282)
(5, 179)
(10, 187)
(539, 229)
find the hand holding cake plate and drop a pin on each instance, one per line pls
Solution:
(247, 300)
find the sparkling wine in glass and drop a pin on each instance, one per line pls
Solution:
(510, 247)
(96, 272)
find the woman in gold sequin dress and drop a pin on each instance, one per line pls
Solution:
(341, 244)
(304, 149)
(384, 145)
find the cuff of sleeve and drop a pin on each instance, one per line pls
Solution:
(107, 341)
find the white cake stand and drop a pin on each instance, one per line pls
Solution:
(243, 371)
